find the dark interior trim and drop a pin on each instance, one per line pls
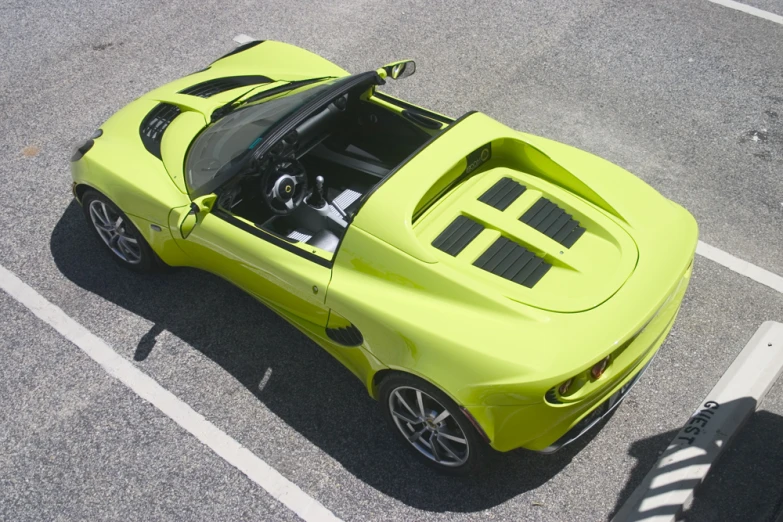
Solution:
(418, 110)
(276, 240)
(404, 162)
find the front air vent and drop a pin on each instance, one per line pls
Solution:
(514, 262)
(217, 85)
(553, 221)
(154, 124)
(503, 193)
(458, 235)
(346, 336)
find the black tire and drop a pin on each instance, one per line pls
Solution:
(477, 453)
(146, 260)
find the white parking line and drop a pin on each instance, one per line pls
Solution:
(169, 404)
(758, 274)
(772, 17)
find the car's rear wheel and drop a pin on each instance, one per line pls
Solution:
(428, 422)
(126, 244)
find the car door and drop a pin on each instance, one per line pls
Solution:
(278, 273)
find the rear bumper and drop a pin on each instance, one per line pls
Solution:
(600, 411)
(547, 427)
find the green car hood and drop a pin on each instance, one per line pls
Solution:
(275, 63)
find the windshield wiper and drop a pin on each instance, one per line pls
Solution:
(229, 107)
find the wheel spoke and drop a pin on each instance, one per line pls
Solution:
(409, 420)
(130, 253)
(434, 447)
(105, 210)
(416, 436)
(420, 400)
(289, 204)
(445, 446)
(402, 401)
(441, 417)
(97, 217)
(130, 240)
(452, 437)
(101, 226)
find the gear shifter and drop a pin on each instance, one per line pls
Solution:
(316, 199)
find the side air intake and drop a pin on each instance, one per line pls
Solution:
(155, 124)
(216, 86)
(553, 221)
(346, 336)
(514, 262)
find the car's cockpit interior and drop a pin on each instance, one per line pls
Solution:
(310, 183)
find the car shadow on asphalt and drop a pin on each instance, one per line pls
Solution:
(309, 390)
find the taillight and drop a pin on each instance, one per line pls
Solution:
(563, 388)
(598, 370)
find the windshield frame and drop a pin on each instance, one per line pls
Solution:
(279, 129)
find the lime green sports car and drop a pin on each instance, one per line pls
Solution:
(491, 289)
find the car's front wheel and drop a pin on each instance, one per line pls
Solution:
(427, 421)
(126, 244)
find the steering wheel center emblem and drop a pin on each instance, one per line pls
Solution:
(284, 188)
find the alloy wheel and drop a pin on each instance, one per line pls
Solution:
(428, 426)
(112, 228)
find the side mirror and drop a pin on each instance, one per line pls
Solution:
(195, 213)
(189, 222)
(398, 70)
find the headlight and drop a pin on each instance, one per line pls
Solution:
(80, 150)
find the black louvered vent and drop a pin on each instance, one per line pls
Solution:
(218, 85)
(503, 193)
(458, 235)
(514, 262)
(549, 219)
(154, 124)
(347, 336)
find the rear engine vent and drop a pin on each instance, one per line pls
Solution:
(154, 124)
(503, 193)
(553, 221)
(458, 235)
(514, 262)
(218, 85)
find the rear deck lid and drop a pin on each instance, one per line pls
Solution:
(529, 240)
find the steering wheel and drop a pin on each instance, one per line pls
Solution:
(284, 185)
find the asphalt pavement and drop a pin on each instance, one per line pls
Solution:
(687, 95)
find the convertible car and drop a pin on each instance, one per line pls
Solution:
(490, 288)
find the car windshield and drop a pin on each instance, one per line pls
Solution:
(235, 135)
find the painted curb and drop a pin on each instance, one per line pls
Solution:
(670, 485)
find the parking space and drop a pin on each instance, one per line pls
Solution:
(686, 95)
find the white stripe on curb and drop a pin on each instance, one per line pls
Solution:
(148, 389)
(683, 466)
(242, 39)
(772, 17)
(758, 274)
